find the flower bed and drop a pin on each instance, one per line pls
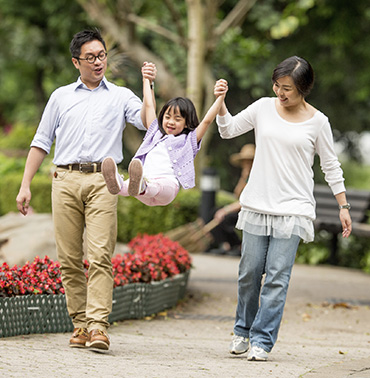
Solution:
(149, 279)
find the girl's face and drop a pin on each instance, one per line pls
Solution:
(286, 92)
(173, 122)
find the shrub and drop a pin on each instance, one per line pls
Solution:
(41, 193)
(11, 165)
(42, 276)
(136, 218)
(19, 137)
(152, 258)
(133, 216)
(353, 252)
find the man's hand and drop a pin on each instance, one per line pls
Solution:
(149, 71)
(23, 200)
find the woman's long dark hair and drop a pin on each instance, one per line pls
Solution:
(186, 109)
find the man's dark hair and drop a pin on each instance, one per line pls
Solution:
(299, 70)
(83, 37)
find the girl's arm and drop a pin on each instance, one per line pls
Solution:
(220, 93)
(148, 112)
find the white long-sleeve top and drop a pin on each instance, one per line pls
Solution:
(281, 180)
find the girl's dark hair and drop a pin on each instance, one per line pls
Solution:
(299, 70)
(83, 37)
(186, 109)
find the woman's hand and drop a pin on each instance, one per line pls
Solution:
(346, 221)
(220, 88)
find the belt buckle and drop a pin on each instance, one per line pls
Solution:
(83, 167)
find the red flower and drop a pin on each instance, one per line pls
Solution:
(152, 258)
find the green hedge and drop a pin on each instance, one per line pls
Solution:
(40, 189)
(20, 137)
(353, 252)
(136, 218)
(133, 216)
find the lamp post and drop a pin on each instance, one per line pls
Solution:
(209, 185)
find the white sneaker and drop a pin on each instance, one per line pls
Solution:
(239, 345)
(136, 183)
(257, 354)
(111, 176)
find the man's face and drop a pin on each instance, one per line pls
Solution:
(91, 73)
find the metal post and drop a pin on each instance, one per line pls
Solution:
(209, 185)
(333, 258)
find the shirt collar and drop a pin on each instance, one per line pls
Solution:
(104, 83)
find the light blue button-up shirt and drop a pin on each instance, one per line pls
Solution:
(87, 124)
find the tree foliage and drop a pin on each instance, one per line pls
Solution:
(192, 42)
(34, 54)
(336, 41)
(196, 41)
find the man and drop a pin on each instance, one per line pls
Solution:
(87, 119)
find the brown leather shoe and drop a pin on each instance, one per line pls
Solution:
(79, 338)
(98, 339)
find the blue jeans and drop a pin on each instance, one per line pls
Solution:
(259, 310)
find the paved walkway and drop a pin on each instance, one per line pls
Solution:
(325, 333)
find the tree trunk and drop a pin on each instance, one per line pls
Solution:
(122, 32)
(118, 20)
(196, 54)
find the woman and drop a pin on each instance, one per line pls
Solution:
(277, 204)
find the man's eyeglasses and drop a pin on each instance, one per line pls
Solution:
(92, 58)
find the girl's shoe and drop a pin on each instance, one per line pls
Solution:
(136, 184)
(111, 176)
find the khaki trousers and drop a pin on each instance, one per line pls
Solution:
(82, 200)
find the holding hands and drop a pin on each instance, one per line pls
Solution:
(149, 71)
(220, 88)
(219, 91)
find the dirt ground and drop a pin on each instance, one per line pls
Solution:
(325, 333)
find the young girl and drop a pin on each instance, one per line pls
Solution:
(165, 159)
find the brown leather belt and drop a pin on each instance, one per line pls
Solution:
(82, 167)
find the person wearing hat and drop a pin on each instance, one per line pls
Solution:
(244, 160)
(226, 240)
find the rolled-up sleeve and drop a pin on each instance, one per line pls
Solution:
(45, 133)
(133, 110)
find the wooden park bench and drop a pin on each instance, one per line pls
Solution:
(327, 215)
